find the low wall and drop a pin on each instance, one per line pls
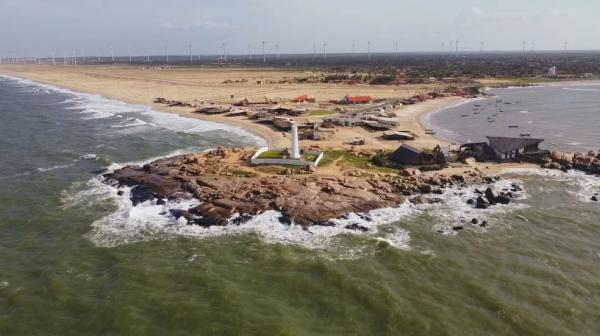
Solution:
(292, 162)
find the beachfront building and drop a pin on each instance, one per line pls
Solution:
(408, 155)
(293, 156)
(505, 149)
(350, 100)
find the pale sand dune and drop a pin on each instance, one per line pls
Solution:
(140, 86)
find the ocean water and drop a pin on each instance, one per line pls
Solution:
(567, 117)
(77, 259)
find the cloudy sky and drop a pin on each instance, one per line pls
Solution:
(40, 27)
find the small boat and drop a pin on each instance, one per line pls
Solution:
(513, 126)
(430, 132)
(525, 134)
(464, 115)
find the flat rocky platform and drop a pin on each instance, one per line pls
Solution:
(231, 192)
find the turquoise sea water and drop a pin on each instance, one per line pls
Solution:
(77, 259)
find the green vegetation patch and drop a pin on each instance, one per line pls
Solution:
(271, 154)
(321, 112)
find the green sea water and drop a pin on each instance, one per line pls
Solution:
(70, 266)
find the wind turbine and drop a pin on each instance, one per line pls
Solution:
(456, 46)
(129, 49)
(481, 48)
(324, 53)
(353, 50)
(314, 51)
(566, 45)
(450, 48)
(396, 49)
(112, 54)
(249, 52)
(263, 51)
(524, 43)
(191, 57)
(167, 53)
(369, 50)
(277, 50)
(224, 45)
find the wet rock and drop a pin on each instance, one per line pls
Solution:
(140, 194)
(491, 195)
(425, 189)
(474, 221)
(470, 201)
(594, 199)
(120, 193)
(482, 203)
(181, 213)
(356, 227)
(483, 224)
(458, 228)
(365, 217)
(284, 220)
(503, 199)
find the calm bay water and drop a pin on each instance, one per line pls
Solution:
(568, 117)
(78, 259)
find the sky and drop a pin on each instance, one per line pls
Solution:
(36, 28)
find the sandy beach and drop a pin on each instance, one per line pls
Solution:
(140, 85)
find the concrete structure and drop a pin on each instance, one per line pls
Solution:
(295, 147)
(552, 71)
(293, 157)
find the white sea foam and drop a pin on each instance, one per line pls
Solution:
(97, 107)
(147, 221)
(455, 211)
(90, 156)
(587, 185)
(43, 170)
(3, 284)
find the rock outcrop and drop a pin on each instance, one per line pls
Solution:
(589, 163)
(231, 193)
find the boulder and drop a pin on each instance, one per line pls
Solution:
(482, 203)
(491, 195)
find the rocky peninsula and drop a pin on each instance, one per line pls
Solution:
(231, 192)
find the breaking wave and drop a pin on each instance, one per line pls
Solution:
(586, 185)
(93, 106)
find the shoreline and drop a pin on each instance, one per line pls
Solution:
(141, 91)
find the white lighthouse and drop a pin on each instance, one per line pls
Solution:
(295, 147)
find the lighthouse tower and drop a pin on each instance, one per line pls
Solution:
(295, 147)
